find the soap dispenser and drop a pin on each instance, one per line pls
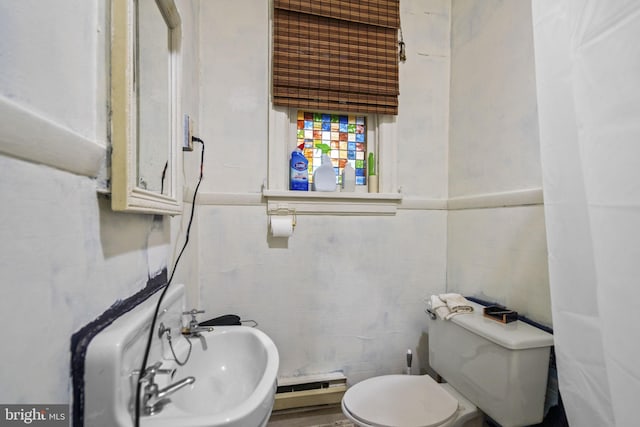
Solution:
(324, 177)
(348, 178)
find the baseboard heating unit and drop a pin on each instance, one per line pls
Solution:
(311, 390)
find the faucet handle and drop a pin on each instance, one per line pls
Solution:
(151, 371)
(193, 313)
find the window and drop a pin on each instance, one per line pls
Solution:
(345, 134)
(336, 55)
(380, 135)
(334, 59)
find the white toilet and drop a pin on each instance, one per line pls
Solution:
(490, 367)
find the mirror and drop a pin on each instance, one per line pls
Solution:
(152, 77)
(145, 36)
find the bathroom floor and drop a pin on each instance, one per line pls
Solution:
(325, 416)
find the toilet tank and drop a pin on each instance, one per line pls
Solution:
(501, 368)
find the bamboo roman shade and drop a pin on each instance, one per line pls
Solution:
(336, 55)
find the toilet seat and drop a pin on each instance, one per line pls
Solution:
(400, 400)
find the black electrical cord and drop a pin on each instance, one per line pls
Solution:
(147, 350)
(164, 174)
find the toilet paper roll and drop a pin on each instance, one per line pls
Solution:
(281, 226)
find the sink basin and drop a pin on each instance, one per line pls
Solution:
(235, 382)
(234, 367)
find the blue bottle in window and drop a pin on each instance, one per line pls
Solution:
(299, 179)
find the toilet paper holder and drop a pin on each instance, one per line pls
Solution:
(283, 211)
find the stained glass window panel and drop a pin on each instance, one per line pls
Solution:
(345, 134)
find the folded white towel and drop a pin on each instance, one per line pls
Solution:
(456, 303)
(439, 307)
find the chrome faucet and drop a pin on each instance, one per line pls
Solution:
(154, 399)
(170, 389)
(194, 328)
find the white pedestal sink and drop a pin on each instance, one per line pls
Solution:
(234, 369)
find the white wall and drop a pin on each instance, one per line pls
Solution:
(496, 253)
(494, 123)
(347, 293)
(65, 256)
(39, 50)
(423, 119)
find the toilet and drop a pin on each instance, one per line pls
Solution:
(489, 367)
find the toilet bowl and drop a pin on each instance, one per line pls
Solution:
(407, 401)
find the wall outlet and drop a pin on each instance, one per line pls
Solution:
(187, 143)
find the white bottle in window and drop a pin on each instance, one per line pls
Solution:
(324, 178)
(348, 178)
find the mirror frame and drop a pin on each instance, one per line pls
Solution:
(126, 195)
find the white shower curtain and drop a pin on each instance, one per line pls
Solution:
(587, 57)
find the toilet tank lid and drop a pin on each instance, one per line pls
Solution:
(514, 335)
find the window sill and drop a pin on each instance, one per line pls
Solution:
(336, 203)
